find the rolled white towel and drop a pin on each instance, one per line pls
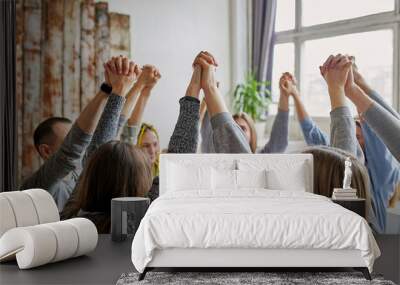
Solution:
(23, 208)
(40, 244)
(26, 208)
(45, 205)
(7, 218)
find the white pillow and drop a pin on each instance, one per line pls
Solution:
(188, 177)
(223, 179)
(251, 178)
(290, 179)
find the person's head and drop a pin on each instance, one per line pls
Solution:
(359, 134)
(115, 169)
(50, 134)
(246, 123)
(148, 140)
(329, 166)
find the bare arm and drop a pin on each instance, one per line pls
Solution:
(131, 99)
(90, 116)
(146, 82)
(140, 106)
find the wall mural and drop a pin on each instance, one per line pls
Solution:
(60, 50)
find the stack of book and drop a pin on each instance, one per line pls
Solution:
(344, 194)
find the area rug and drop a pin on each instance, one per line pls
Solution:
(243, 278)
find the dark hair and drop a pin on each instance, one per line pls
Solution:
(45, 129)
(115, 169)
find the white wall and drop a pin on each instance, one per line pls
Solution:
(169, 34)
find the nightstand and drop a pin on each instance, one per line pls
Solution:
(355, 205)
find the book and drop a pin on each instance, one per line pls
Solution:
(341, 190)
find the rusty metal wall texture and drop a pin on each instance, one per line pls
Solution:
(19, 91)
(58, 43)
(102, 40)
(88, 67)
(52, 69)
(32, 106)
(72, 64)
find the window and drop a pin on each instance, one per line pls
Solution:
(374, 62)
(326, 11)
(367, 29)
(283, 61)
(285, 15)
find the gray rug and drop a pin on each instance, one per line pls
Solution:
(230, 278)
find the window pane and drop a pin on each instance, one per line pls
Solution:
(283, 61)
(375, 62)
(325, 11)
(285, 15)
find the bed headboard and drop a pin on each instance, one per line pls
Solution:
(281, 162)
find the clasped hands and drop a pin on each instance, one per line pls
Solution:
(121, 74)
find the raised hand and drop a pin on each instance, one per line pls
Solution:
(194, 87)
(288, 84)
(149, 76)
(120, 74)
(335, 71)
(207, 63)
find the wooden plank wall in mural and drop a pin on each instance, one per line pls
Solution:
(61, 46)
(120, 35)
(102, 39)
(72, 63)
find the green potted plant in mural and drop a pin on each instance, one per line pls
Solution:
(253, 97)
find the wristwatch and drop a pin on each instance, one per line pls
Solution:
(106, 88)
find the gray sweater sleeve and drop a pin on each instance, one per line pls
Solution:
(185, 137)
(228, 137)
(378, 99)
(279, 137)
(386, 126)
(343, 130)
(61, 163)
(107, 127)
(206, 132)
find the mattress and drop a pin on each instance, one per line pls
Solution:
(250, 219)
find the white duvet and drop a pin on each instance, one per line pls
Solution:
(251, 218)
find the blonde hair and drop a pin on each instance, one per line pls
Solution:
(395, 198)
(250, 123)
(155, 168)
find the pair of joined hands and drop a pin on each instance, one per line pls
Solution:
(121, 74)
(203, 76)
(340, 73)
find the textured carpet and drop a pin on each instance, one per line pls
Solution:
(225, 278)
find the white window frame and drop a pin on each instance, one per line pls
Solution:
(384, 20)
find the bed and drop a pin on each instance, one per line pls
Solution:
(247, 211)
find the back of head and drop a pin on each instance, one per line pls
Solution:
(116, 169)
(250, 123)
(329, 171)
(44, 132)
